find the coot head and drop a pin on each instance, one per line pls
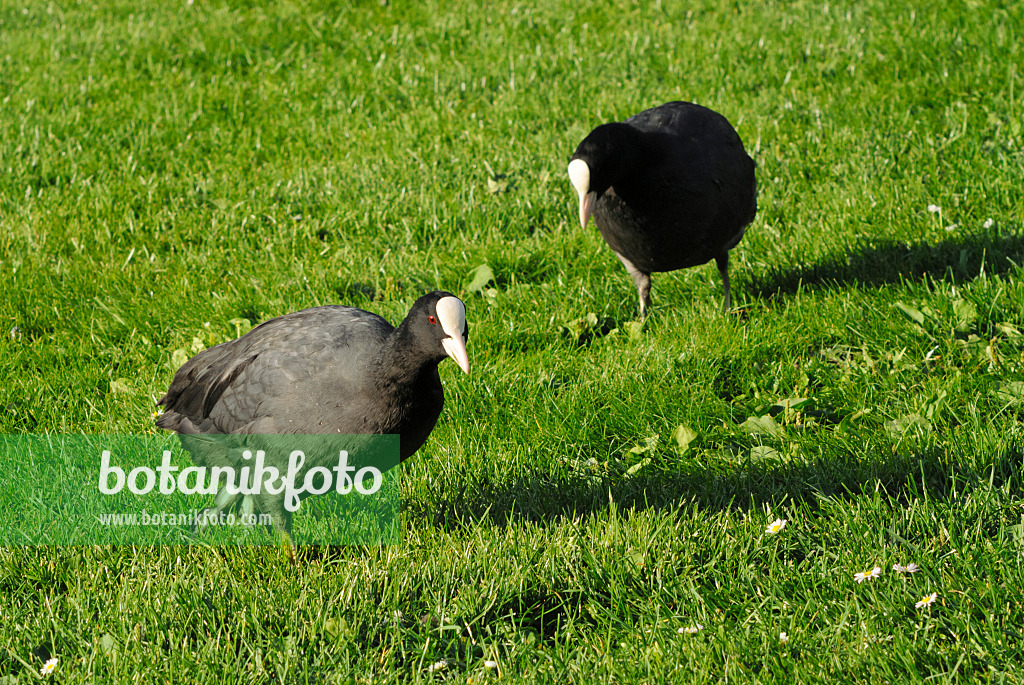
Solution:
(437, 322)
(610, 153)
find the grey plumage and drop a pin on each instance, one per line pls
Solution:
(325, 370)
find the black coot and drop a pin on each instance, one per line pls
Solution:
(325, 370)
(669, 188)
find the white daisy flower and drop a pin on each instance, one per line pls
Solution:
(437, 666)
(49, 667)
(775, 526)
(868, 575)
(691, 630)
(927, 601)
(490, 664)
(783, 637)
(934, 209)
(909, 568)
(988, 223)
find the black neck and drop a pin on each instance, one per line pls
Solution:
(402, 360)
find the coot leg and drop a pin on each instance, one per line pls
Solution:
(642, 280)
(722, 261)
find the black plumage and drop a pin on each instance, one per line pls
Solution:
(669, 188)
(325, 370)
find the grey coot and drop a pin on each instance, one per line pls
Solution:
(325, 370)
(669, 188)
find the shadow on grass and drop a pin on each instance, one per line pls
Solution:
(544, 609)
(901, 478)
(962, 259)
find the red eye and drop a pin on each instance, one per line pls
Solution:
(431, 319)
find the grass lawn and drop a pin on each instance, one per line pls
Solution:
(172, 173)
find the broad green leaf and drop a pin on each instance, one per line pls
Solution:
(633, 329)
(1011, 392)
(108, 645)
(965, 313)
(764, 452)
(242, 326)
(637, 466)
(911, 313)
(479, 277)
(1008, 329)
(636, 557)
(179, 357)
(1017, 532)
(121, 386)
(912, 422)
(762, 425)
(791, 404)
(847, 421)
(496, 186)
(650, 443)
(336, 628)
(933, 407)
(684, 435)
